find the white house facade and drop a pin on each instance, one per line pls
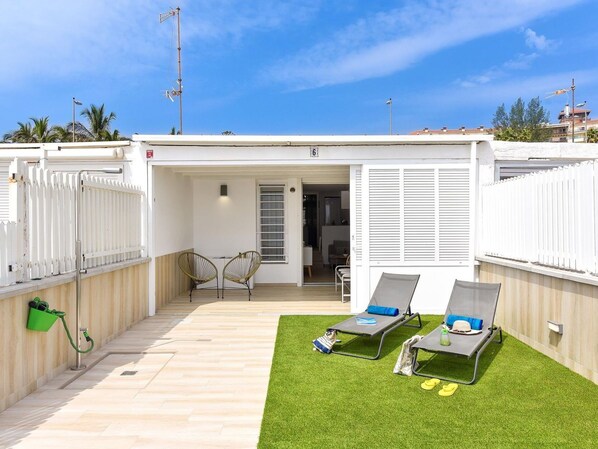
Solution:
(413, 201)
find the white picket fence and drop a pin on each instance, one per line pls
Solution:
(548, 218)
(39, 241)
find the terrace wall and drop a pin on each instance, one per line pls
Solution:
(112, 300)
(531, 295)
(170, 280)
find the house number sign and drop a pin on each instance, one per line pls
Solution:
(314, 152)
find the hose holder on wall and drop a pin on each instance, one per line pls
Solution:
(41, 319)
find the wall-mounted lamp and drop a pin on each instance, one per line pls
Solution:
(292, 189)
(223, 190)
(555, 327)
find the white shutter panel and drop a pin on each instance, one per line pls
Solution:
(419, 215)
(358, 217)
(454, 221)
(4, 190)
(385, 215)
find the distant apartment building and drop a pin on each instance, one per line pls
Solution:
(458, 131)
(573, 125)
(561, 131)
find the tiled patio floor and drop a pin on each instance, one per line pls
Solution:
(198, 377)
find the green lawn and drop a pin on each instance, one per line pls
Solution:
(521, 398)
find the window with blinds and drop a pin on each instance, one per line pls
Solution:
(271, 226)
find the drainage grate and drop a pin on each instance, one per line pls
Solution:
(128, 373)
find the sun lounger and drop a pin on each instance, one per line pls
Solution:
(470, 299)
(393, 290)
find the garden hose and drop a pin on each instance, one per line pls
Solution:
(38, 304)
(68, 334)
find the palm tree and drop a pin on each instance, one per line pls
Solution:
(42, 131)
(99, 122)
(65, 133)
(115, 135)
(23, 134)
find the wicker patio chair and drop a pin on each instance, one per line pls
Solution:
(199, 270)
(241, 268)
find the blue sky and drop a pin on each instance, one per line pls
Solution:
(295, 66)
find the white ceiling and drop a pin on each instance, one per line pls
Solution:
(321, 174)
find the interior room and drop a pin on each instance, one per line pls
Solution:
(220, 212)
(326, 230)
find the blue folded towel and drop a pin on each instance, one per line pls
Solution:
(365, 321)
(476, 323)
(381, 310)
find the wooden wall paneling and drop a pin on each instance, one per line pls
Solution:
(170, 280)
(528, 300)
(110, 303)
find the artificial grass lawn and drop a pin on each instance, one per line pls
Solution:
(520, 399)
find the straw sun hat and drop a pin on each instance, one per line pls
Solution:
(463, 327)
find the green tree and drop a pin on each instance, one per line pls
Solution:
(38, 131)
(23, 134)
(593, 135)
(65, 133)
(98, 122)
(114, 135)
(522, 123)
(42, 130)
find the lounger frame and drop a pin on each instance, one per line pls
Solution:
(474, 299)
(401, 321)
(393, 290)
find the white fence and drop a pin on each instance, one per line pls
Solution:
(549, 218)
(39, 241)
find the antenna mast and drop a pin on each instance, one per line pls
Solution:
(176, 92)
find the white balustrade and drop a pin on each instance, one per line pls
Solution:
(548, 218)
(39, 239)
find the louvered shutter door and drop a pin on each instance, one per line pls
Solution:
(385, 215)
(454, 222)
(358, 217)
(420, 215)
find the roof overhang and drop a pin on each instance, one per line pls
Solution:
(294, 140)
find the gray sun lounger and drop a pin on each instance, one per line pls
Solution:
(471, 299)
(393, 290)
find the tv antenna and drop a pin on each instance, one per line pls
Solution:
(179, 91)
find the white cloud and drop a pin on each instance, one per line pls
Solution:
(59, 39)
(509, 90)
(520, 62)
(536, 41)
(392, 40)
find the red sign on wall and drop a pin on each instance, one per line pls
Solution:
(149, 154)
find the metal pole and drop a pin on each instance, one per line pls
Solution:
(573, 111)
(79, 255)
(390, 126)
(180, 80)
(73, 119)
(78, 228)
(389, 103)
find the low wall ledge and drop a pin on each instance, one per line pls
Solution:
(53, 281)
(539, 269)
